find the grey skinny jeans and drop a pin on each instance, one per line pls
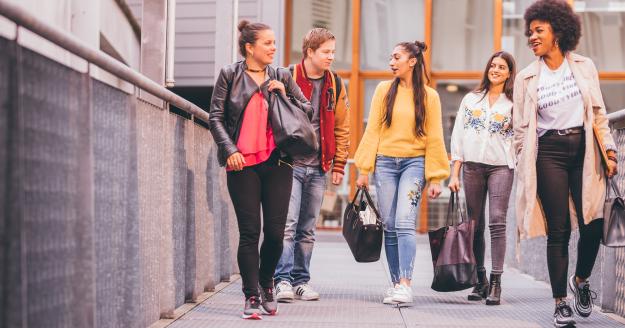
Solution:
(496, 181)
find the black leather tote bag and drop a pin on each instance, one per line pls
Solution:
(452, 251)
(292, 130)
(614, 217)
(364, 240)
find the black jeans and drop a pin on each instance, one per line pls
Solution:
(269, 184)
(559, 169)
(496, 181)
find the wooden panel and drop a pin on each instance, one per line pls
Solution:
(428, 35)
(288, 31)
(611, 76)
(457, 75)
(356, 111)
(195, 10)
(497, 24)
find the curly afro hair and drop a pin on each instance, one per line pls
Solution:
(566, 25)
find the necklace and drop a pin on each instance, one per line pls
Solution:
(254, 70)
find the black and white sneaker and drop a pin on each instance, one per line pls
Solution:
(563, 316)
(583, 297)
(252, 309)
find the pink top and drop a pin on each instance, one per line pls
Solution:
(256, 140)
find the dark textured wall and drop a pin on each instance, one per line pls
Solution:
(113, 212)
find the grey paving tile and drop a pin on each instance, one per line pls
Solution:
(351, 296)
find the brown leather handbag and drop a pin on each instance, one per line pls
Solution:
(452, 251)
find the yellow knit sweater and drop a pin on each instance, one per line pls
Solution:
(400, 139)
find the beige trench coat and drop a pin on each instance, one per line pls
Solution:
(530, 216)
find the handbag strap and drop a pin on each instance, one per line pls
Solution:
(370, 201)
(454, 206)
(450, 208)
(613, 186)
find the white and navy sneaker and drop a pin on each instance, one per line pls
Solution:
(388, 296)
(284, 292)
(563, 316)
(402, 295)
(305, 293)
(582, 297)
(252, 309)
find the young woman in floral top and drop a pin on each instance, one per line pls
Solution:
(481, 144)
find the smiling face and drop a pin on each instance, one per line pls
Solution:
(323, 57)
(498, 71)
(541, 39)
(401, 64)
(263, 50)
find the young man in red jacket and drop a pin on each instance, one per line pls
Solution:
(327, 93)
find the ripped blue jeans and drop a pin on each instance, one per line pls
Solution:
(399, 184)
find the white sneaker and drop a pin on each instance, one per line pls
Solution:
(306, 293)
(388, 296)
(284, 292)
(402, 294)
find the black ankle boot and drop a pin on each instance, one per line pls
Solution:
(494, 297)
(480, 291)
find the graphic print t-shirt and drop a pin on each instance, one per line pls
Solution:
(560, 103)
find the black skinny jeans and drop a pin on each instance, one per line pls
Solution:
(268, 183)
(559, 169)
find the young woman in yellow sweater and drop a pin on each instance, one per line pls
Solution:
(403, 145)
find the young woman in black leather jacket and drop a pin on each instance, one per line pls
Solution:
(257, 173)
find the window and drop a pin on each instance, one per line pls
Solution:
(384, 23)
(462, 34)
(333, 15)
(513, 39)
(613, 95)
(603, 33)
(451, 93)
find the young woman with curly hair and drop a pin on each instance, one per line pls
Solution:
(557, 102)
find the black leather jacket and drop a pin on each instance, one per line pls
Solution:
(233, 90)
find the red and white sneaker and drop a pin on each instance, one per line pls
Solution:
(252, 309)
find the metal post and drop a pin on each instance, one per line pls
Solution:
(171, 44)
(153, 44)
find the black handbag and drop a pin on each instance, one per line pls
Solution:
(452, 251)
(614, 217)
(292, 130)
(364, 240)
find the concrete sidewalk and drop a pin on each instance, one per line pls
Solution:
(351, 296)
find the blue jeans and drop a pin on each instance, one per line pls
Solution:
(309, 183)
(399, 185)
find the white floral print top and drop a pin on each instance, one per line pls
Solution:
(483, 134)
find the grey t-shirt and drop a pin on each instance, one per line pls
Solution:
(313, 159)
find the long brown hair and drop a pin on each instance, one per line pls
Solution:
(419, 76)
(508, 87)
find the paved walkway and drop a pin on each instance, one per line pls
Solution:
(351, 296)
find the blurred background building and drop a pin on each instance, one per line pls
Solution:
(461, 35)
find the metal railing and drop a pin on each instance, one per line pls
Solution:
(115, 211)
(76, 46)
(613, 266)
